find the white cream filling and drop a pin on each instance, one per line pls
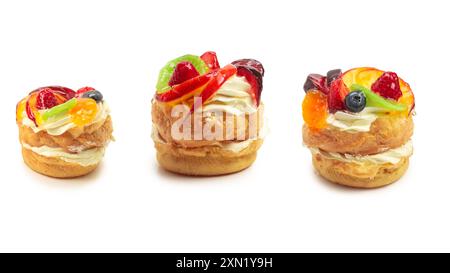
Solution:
(356, 122)
(392, 156)
(85, 158)
(64, 124)
(232, 97)
(235, 146)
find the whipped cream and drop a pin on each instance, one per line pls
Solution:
(235, 146)
(354, 122)
(85, 158)
(63, 124)
(392, 156)
(232, 97)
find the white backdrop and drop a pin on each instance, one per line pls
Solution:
(279, 204)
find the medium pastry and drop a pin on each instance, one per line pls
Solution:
(358, 126)
(63, 133)
(207, 119)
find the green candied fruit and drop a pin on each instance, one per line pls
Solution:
(166, 72)
(376, 100)
(59, 109)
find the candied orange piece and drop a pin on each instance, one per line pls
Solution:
(20, 109)
(84, 111)
(315, 109)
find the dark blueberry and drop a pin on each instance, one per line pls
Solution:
(355, 101)
(315, 81)
(94, 94)
(332, 75)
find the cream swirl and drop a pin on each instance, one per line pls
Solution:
(354, 122)
(233, 97)
(63, 124)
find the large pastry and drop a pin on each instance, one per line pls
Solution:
(358, 126)
(207, 119)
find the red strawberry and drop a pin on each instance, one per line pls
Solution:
(336, 95)
(84, 90)
(255, 81)
(183, 71)
(388, 86)
(210, 58)
(219, 78)
(46, 99)
(185, 88)
(65, 92)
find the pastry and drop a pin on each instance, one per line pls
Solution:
(63, 133)
(358, 126)
(207, 119)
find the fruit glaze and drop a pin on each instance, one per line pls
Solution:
(234, 88)
(57, 109)
(353, 100)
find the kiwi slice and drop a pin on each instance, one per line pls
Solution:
(376, 100)
(166, 72)
(59, 109)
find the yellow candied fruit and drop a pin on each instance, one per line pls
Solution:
(20, 109)
(84, 112)
(315, 109)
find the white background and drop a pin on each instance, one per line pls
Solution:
(277, 205)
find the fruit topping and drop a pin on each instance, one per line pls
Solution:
(315, 109)
(253, 71)
(336, 96)
(333, 75)
(388, 86)
(84, 111)
(61, 91)
(185, 90)
(59, 109)
(166, 72)
(375, 100)
(210, 59)
(93, 94)
(46, 99)
(216, 82)
(251, 64)
(315, 82)
(30, 107)
(183, 71)
(255, 81)
(84, 90)
(20, 109)
(355, 101)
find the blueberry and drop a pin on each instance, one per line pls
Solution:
(94, 94)
(332, 75)
(355, 101)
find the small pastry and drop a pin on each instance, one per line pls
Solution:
(358, 126)
(207, 119)
(63, 133)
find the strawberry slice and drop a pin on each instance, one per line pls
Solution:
(388, 86)
(67, 93)
(210, 59)
(46, 99)
(185, 89)
(215, 83)
(183, 71)
(84, 90)
(336, 96)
